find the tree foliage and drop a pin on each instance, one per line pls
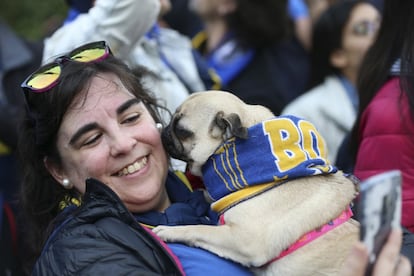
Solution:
(33, 19)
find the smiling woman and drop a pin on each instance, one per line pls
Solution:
(96, 175)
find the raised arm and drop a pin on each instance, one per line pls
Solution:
(120, 22)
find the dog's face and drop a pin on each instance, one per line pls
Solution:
(204, 121)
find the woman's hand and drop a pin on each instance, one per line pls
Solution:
(390, 261)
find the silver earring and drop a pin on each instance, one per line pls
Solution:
(159, 126)
(66, 183)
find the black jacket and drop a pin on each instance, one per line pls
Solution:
(101, 237)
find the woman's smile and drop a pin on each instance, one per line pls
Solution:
(133, 167)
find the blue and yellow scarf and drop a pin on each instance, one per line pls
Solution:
(277, 150)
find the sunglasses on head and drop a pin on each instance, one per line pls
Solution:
(47, 76)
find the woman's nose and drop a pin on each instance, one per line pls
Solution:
(122, 143)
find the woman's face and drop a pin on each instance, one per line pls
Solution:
(112, 137)
(203, 8)
(359, 34)
(212, 9)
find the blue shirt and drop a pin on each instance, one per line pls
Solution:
(298, 9)
(189, 207)
(197, 261)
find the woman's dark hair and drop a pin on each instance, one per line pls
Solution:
(258, 23)
(327, 37)
(41, 194)
(395, 39)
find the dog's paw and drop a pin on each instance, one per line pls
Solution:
(167, 233)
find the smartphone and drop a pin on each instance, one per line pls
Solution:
(378, 209)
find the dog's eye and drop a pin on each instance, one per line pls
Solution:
(182, 133)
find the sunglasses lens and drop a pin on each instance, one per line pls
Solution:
(47, 77)
(44, 78)
(88, 55)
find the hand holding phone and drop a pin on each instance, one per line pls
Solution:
(378, 210)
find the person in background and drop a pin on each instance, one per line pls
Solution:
(18, 57)
(121, 23)
(169, 55)
(182, 19)
(382, 137)
(96, 177)
(341, 36)
(260, 61)
(299, 12)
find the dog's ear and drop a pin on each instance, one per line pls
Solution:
(227, 126)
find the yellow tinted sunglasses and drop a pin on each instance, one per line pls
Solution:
(47, 76)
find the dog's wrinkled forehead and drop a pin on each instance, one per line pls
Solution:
(194, 114)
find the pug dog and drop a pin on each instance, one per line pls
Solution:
(284, 210)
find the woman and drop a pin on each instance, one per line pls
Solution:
(95, 170)
(250, 49)
(341, 36)
(382, 138)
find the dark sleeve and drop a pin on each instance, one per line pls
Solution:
(9, 121)
(408, 245)
(182, 19)
(11, 112)
(101, 250)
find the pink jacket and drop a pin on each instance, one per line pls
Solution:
(387, 142)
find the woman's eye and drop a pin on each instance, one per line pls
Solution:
(91, 140)
(131, 118)
(365, 28)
